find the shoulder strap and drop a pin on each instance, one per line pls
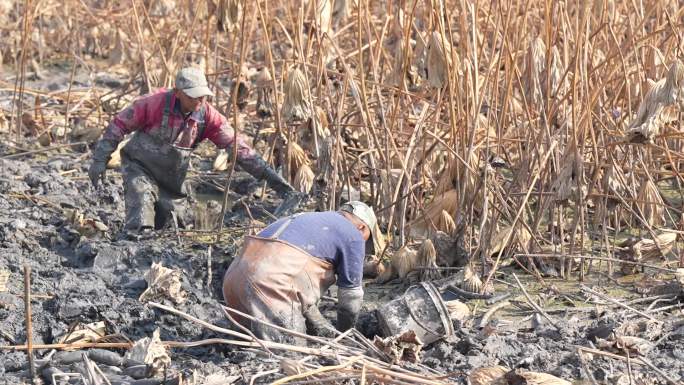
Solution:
(283, 226)
(202, 127)
(167, 111)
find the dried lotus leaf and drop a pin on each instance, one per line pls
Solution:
(491, 375)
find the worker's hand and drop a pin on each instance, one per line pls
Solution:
(96, 172)
(349, 302)
(103, 150)
(258, 168)
(317, 323)
(278, 183)
(291, 201)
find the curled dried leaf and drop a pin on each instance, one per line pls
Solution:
(4, 277)
(150, 351)
(84, 333)
(438, 60)
(471, 280)
(298, 156)
(535, 64)
(427, 257)
(163, 282)
(651, 204)
(402, 347)
(457, 310)
(620, 344)
(221, 160)
(432, 218)
(448, 222)
(296, 106)
(491, 375)
(404, 261)
(228, 14)
(652, 114)
(291, 367)
(521, 376)
(115, 158)
(504, 239)
(304, 179)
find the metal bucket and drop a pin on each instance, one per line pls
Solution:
(420, 309)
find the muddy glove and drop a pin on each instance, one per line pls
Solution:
(318, 324)
(349, 302)
(103, 150)
(291, 201)
(259, 169)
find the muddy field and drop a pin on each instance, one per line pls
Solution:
(524, 157)
(97, 277)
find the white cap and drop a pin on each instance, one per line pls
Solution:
(361, 211)
(192, 82)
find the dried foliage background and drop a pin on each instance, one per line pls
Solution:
(518, 126)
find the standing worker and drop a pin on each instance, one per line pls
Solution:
(282, 272)
(168, 126)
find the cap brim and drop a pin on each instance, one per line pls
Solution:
(198, 92)
(378, 240)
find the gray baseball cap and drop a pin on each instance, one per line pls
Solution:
(363, 212)
(192, 82)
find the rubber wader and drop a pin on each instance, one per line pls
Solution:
(275, 281)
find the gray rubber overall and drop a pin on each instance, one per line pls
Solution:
(154, 171)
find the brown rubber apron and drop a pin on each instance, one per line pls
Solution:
(155, 152)
(274, 281)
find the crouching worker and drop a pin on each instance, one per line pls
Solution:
(168, 126)
(281, 273)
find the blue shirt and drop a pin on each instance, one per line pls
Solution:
(329, 236)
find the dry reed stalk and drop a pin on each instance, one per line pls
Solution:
(650, 203)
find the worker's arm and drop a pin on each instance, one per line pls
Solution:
(219, 131)
(349, 275)
(131, 119)
(349, 302)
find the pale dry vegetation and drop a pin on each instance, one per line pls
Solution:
(530, 127)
